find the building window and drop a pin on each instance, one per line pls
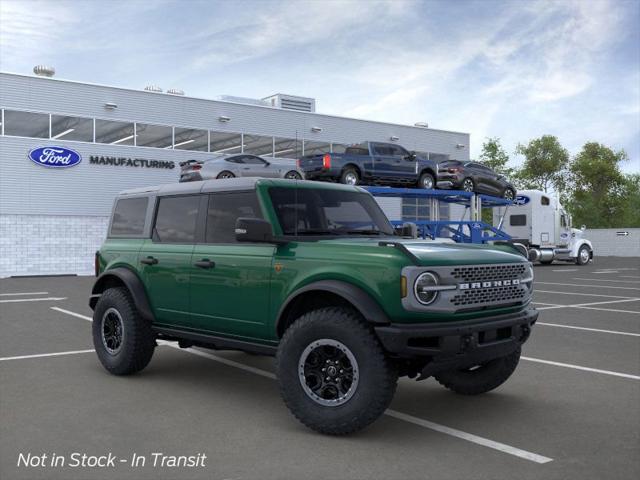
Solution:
(114, 133)
(316, 148)
(287, 147)
(415, 209)
(156, 136)
(191, 139)
(71, 128)
(225, 143)
(26, 124)
(258, 145)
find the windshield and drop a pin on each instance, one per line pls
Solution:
(316, 211)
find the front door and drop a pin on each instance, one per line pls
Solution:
(230, 281)
(166, 258)
(254, 166)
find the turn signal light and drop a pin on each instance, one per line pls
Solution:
(326, 161)
(403, 286)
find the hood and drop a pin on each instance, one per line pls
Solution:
(435, 253)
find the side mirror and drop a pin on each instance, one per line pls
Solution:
(583, 228)
(411, 156)
(253, 230)
(266, 164)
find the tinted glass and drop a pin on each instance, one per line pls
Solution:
(382, 149)
(311, 211)
(544, 201)
(398, 151)
(72, 128)
(239, 159)
(129, 215)
(157, 136)
(518, 220)
(250, 159)
(357, 151)
(225, 142)
(114, 133)
(176, 219)
(26, 124)
(224, 210)
(191, 139)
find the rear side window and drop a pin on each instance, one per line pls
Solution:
(544, 201)
(176, 219)
(518, 220)
(128, 216)
(224, 209)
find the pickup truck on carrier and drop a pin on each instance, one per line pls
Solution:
(372, 162)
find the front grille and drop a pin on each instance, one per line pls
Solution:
(495, 295)
(480, 273)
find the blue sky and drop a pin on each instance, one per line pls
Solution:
(515, 70)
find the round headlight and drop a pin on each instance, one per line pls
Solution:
(422, 288)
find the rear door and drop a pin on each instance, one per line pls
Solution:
(230, 281)
(166, 258)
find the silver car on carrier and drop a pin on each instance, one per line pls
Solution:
(241, 165)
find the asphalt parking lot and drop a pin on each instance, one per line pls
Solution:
(571, 410)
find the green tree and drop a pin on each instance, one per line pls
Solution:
(545, 164)
(495, 157)
(630, 216)
(599, 194)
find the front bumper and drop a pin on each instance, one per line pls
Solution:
(453, 345)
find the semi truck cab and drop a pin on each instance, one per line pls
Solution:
(540, 223)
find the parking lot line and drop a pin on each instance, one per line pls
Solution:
(23, 293)
(580, 367)
(46, 299)
(588, 286)
(533, 457)
(610, 310)
(585, 294)
(605, 280)
(615, 332)
(73, 314)
(629, 276)
(40, 355)
(585, 305)
(566, 270)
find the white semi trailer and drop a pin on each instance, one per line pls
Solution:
(542, 225)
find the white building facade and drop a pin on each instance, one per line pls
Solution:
(52, 220)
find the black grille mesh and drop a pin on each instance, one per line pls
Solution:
(484, 273)
(495, 295)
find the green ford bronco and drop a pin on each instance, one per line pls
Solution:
(314, 274)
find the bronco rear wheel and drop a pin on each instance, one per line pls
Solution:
(332, 372)
(480, 378)
(123, 340)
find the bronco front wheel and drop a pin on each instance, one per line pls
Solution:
(333, 374)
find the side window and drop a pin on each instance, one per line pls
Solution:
(544, 200)
(518, 220)
(235, 160)
(128, 216)
(176, 219)
(253, 160)
(563, 220)
(224, 209)
(398, 151)
(381, 149)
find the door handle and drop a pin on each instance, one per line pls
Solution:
(205, 263)
(149, 261)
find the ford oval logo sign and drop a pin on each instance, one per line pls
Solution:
(521, 200)
(55, 157)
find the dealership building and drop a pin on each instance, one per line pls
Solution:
(53, 219)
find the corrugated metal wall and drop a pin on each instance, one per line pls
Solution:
(613, 242)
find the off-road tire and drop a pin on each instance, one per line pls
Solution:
(138, 340)
(347, 173)
(579, 260)
(424, 178)
(481, 380)
(225, 174)
(377, 380)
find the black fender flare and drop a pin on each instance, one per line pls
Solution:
(133, 284)
(361, 300)
(430, 170)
